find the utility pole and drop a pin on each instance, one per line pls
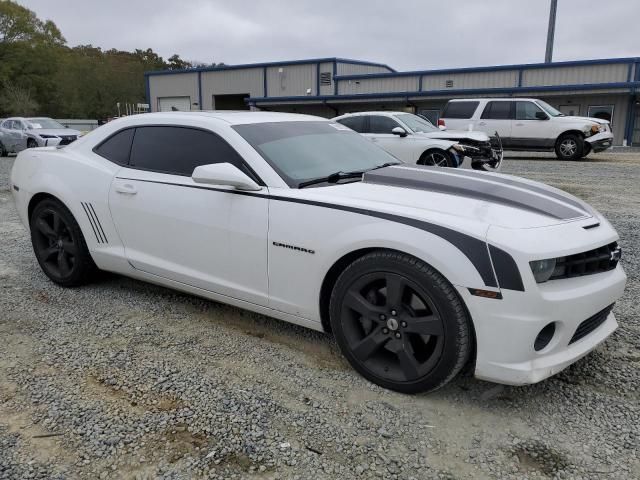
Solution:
(548, 57)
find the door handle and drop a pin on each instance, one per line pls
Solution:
(519, 124)
(482, 124)
(126, 188)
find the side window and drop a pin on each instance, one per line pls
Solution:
(527, 111)
(497, 111)
(179, 150)
(379, 124)
(460, 109)
(356, 124)
(117, 147)
(13, 125)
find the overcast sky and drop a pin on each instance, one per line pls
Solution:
(407, 34)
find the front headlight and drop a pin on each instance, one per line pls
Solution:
(459, 148)
(543, 269)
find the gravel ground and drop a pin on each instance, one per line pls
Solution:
(122, 379)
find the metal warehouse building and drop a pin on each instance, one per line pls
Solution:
(606, 88)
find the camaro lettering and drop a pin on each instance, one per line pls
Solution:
(293, 247)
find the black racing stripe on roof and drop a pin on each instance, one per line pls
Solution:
(431, 180)
(473, 248)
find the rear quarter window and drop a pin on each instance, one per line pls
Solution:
(356, 123)
(460, 109)
(117, 147)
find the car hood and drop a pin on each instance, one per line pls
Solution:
(457, 135)
(573, 119)
(467, 199)
(60, 132)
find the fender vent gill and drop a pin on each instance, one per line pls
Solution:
(96, 226)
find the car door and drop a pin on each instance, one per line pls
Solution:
(13, 134)
(203, 236)
(379, 130)
(497, 116)
(532, 127)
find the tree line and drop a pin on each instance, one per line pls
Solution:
(41, 75)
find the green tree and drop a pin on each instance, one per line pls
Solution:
(19, 24)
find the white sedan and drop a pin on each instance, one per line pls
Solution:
(416, 271)
(414, 139)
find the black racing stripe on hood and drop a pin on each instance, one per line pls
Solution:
(474, 187)
(513, 182)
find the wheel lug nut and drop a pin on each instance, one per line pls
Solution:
(383, 317)
(385, 330)
(397, 334)
(393, 312)
(404, 324)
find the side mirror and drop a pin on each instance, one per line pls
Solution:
(442, 127)
(223, 174)
(401, 132)
(541, 116)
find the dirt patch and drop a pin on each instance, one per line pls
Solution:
(536, 457)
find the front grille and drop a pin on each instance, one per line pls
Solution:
(67, 139)
(598, 260)
(590, 324)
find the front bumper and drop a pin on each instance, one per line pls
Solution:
(506, 329)
(600, 141)
(48, 142)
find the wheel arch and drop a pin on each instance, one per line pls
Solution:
(37, 198)
(429, 149)
(343, 262)
(569, 132)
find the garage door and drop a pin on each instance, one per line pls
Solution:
(167, 104)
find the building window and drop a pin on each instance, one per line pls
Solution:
(604, 112)
(572, 110)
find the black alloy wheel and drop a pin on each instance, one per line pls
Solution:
(399, 322)
(59, 245)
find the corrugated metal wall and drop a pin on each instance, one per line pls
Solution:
(291, 80)
(378, 85)
(172, 85)
(228, 82)
(575, 75)
(357, 69)
(498, 79)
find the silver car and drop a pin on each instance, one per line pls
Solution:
(18, 133)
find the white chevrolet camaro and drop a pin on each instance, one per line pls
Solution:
(416, 271)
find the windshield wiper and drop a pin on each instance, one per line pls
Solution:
(333, 178)
(337, 176)
(388, 164)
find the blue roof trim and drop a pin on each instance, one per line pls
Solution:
(525, 66)
(268, 64)
(451, 92)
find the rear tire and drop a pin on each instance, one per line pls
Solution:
(570, 146)
(59, 245)
(437, 158)
(399, 322)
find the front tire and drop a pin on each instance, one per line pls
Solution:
(570, 146)
(31, 143)
(3, 151)
(437, 158)
(59, 245)
(399, 322)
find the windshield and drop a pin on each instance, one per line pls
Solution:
(44, 123)
(303, 151)
(416, 124)
(549, 109)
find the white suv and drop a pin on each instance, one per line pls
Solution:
(529, 124)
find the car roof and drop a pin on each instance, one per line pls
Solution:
(233, 117)
(386, 113)
(491, 99)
